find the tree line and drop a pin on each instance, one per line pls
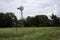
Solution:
(10, 20)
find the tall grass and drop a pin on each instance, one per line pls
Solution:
(43, 33)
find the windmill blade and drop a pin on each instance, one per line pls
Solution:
(18, 8)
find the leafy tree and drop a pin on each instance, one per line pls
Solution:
(37, 21)
(55, 20)
(21, 23)
(41, 20)
(28, 22)
(12, 19)
(7, 20)
(2, 19)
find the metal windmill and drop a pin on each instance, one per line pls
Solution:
(21, 8)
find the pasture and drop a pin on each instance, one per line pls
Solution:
(31, 33)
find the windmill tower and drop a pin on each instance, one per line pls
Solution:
(21, 8)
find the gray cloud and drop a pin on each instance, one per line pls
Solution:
(7, 0)
(31, 7)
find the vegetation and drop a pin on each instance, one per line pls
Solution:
(10, 20)
(32, 33)
(7, 20)
(38, 27)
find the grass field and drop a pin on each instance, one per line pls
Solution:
(43, 33)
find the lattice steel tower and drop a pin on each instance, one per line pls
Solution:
(21, 8)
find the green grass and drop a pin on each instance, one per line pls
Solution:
(43, 33)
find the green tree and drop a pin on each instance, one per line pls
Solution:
(7, 20)
(11, 18)
(28, 22)
(55, 20)
(2, 20)
(21, 22)
(41, 20)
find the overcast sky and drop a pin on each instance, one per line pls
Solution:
(31, 7)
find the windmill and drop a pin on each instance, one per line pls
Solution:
(21, 8)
